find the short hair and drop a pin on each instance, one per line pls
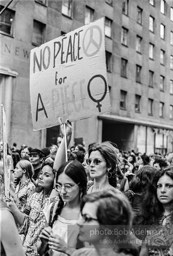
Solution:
(26, 165)
(162, 163)
(75, 171)
(113, 209)
(114, 213)
(108, 152)
(145, 159)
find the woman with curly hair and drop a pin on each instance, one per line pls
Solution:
(103, 166)
(159, 239)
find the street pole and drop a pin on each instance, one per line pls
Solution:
(5, 7)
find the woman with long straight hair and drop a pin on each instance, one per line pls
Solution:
(103, 166)
(61, 237)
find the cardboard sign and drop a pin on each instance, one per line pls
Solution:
(68, 77)
(6, 168)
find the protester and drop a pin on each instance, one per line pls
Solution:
(105, 222)
(36, 158)
(159, 240)
(25, 188)
(103, 164)
(160, 164)
(35, 220)
(140, 194)
(25, 153)
(71, 183)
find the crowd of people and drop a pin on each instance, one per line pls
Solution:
(99, 201)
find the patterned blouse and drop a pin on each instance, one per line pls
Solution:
(23, 192)
(35, 222)
(159, 239)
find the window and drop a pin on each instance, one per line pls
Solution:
(109, 61)
(124, 63)
(151, 78)
(171, 37)
(162, 31)
(161, 109)
(162, 57)
(41, 1)
(139, 15)
(171, 62)
(38, 33)
(171, 111)
(138, 44)
(162, 6)
(151, 51)
(124, 35)
(150, 107)
(6, 21)
(89, 15)
(108, 27)
(123, 98)
(162, 82)
(67, 7)
(138, 73)
(137, 103)
(171, 13)
(152, 2)
(110, 2)
(151, 24)
(125, 7)
(171, 87)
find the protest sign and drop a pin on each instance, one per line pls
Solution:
(6, 168)
(68, 77)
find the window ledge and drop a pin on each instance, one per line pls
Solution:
(65, 15)
(5, 34)
(125, 45)
(38, 2)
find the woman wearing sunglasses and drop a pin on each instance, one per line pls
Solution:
(106, 219)
(61, 237)
(103, 164)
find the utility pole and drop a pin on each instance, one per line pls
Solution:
(5, 7)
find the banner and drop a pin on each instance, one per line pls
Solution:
(68, 77)
(6, 168)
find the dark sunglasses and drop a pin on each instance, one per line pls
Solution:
(95, 161)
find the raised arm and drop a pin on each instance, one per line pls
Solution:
(60, 157)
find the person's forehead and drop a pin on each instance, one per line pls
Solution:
(63, 178)
(96, 154)
(165, 179)
(47, 169)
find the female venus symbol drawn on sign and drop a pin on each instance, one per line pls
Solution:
(104, 93)
(89, 41)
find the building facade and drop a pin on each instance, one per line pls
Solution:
(139, 61)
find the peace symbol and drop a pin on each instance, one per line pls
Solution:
(93, 40)
(104, 93)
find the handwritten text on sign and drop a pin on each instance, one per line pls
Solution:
(68, 77)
